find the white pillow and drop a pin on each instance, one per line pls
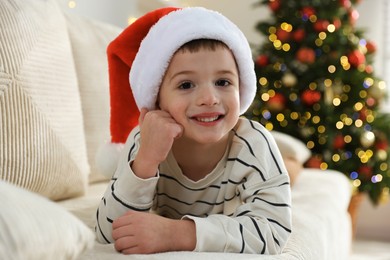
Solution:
(291, 147)
(89, 41)
(33, 227)
(42, 143)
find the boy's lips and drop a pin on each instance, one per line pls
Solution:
(207, 117)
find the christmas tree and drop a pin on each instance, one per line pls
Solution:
(316, 82)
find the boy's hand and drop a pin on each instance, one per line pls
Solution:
(158, 131)
(146, 233)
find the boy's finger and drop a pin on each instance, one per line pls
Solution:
(142, 115)
(179, 131)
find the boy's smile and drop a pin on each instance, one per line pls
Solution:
(207, 118)
(200, 91)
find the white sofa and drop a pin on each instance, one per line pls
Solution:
(54, 114)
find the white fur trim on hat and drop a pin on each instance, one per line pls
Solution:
(170, 33)
(107, 157)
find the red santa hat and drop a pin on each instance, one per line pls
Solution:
(140, 55)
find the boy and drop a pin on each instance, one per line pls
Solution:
(216, 182)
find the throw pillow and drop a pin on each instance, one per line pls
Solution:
(33, 227)
(89, 40)
(42, 143)
(291, 147)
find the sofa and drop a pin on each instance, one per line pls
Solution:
(54, 116)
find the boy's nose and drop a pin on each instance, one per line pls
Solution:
(208, 96)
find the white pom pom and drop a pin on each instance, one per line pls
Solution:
(107, 158)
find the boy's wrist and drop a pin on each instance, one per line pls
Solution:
(143, 169)
(183, 235)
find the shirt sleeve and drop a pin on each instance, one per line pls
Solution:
(125, 192)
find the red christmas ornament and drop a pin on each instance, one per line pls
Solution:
(262, 60)
(321, 25)
(338, 142)
(363, 114)
(345, 3)
(353, 16)
(371, 47)
(306, 55)
(282, 35)
(299, 35)
(369, 69)
(313, 162)
(382, 145)
(310, 97)
(277, 102)
(274, 5)
(356, 58)
(370, 101)
(337, 23)
(308, 11)
(365, 171)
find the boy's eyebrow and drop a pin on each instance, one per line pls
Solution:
(234, 73)
(185, 72)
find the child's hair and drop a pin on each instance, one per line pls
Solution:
(202, 44)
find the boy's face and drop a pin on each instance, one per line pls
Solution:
(200, 90)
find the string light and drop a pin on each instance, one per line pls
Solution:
(331, 28)
(358, 106)
(322, 35)
(382, 155)
(339, 125)
(323, 166)
(263, 81)
(336, 157)
(318, 42)
(356, 183)
(272, 37)
(131, 20)
(72, 4)
(286, 27)
(265, 97)
(332, 69)
(277, 44)
(347, 139)
(358, 123)
(383, 167)
(336, 102)
(310, 144)
(294, 115)
(286, 47)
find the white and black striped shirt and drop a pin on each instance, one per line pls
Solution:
(243, 205)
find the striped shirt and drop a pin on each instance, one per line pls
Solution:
(242, 206)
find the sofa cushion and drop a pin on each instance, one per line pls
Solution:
(89, 40)
(33, 227)
(291, 147)
(42, 143)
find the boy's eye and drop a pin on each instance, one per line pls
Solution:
(185, 85)
(222, 83)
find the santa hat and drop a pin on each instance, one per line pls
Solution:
(140, 55)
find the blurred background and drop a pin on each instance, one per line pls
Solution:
(374, 17)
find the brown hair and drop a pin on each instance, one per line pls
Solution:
(206, 44)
